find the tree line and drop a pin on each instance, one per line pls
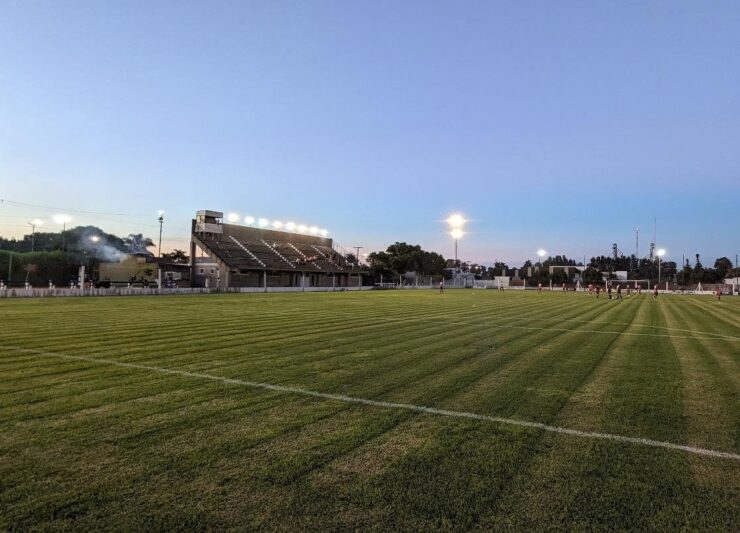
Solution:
(55, 257)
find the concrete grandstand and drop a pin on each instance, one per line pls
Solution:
(232, 255)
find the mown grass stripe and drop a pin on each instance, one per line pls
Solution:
(391, 405)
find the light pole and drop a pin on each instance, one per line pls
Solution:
(541, 253)
(161, 221)
(357, 255)
(94, 239)
(63, 219)
(660, 253)
(35, 222)
(456, 222)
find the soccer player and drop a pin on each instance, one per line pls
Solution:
(719, 293)
(598, 290)
(539, 288)
(655, 292)
(619, 292)
(590, 288)
(441, 287)
(609, 291)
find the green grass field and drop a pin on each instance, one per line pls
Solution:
(89, 443)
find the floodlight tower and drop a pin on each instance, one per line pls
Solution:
(542, 253)
(456, 222)
(35, 222)
(660, 253)
(95, 240)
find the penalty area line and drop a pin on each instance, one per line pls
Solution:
(390, 405)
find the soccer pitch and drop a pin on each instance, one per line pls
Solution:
(379, 410)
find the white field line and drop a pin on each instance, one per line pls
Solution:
(391, 405)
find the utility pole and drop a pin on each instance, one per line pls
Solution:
(33, 235)
(655, 230)
(357, 254)
(637, 248)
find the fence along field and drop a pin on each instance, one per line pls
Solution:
(306, 410)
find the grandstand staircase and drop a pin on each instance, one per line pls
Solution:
(247, 251)
(281, 256)
(302, 255)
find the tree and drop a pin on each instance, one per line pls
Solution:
(401, 257)
(137, 243)
(433, 264)
(176, 256)
(592, 275)
(723, 267)
(500, 268)
(697, 274)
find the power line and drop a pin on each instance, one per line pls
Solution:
(37, 206)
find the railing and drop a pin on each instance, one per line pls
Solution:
(303, 255)
(281, 256)
(248, 251)
(329, 259)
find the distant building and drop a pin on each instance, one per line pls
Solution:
(137, 268)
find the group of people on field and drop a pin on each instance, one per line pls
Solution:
(596, 289)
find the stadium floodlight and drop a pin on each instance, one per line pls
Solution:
(660, 253)
(313, 230)
(233, 218)
(249, 220)
(456, 220)
(302, 228)
(277, 224)
(62, 219)
(94, 238)
(263, 222)
(542, 253)
(323, 232)
(290, 226)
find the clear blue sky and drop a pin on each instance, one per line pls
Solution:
(561, 125)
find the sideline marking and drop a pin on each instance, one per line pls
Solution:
(391, 405)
